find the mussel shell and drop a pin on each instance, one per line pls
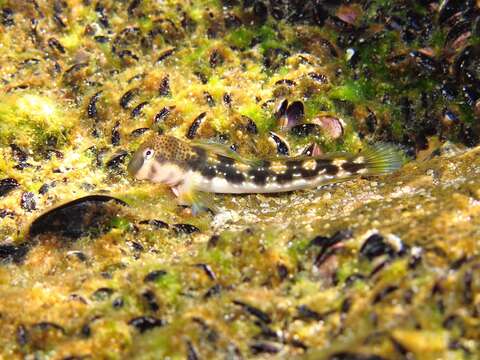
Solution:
(462, 59)
(192, 130)
(303, 130)
(260, 12)
(92, 105)
(290, 115)
(459, 29)
(449, 91)
(467, 66)
(281, 109)
(84, 216)
(449, 117)
(280, 144)
(162, 114)
(116, 160)
(165, 54)
(295, 113)
(470, 94)
(450, 8)
(13, 252)
(312, 150)
(330, 125)
(7, 185)
(127, 97)
(424, 61)
(376, 245)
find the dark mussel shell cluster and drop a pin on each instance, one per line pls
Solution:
(431, 66)
(434, 78)
(291, 117)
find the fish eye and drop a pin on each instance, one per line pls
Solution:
(148, 153)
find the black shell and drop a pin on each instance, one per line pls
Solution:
(282, 146)
(144, 323)
(92, 105)
(137, 111)
(127, 97)
(117, 159)
(140, 131)
(281, 109)
(157, 224)
(164, 88)
(77, 218)
(303, 130)
(295, 113)
(7, 185)
(375, 245)
(192, 131)
(185, 228)
(162, 114)
(165, 54)
(154, 275)
(13, 253)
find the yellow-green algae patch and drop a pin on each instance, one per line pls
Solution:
(30, 119)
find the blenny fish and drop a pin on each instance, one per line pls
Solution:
(194, 169)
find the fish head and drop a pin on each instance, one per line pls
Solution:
(157, 156)
(141, 162)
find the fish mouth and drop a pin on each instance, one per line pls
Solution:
(135, 165)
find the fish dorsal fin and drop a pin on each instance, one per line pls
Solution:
(223, 150)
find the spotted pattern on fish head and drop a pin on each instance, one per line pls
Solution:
(169, 148)
(156, 151)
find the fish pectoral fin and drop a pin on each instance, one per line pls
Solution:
(224, 150)
(199, 201)
(203, 202)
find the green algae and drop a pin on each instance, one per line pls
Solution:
(241, 37)
(31, 119)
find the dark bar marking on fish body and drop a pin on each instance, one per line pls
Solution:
(323, 162)
(259, 175)
(285, 177)
(198, 159)
(306, 173)
(209, 171)
(331, 169)
(353, 167)
(231, 173)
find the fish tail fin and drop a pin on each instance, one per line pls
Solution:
(382, 159)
